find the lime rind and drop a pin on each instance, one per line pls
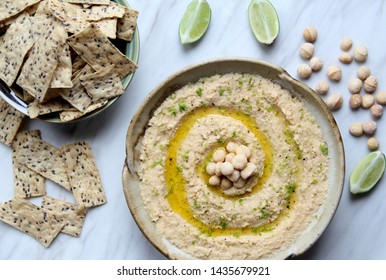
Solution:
(264, 21)
(367, 173)
(195, 21)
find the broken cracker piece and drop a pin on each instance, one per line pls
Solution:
(127, 24)
(10, 121)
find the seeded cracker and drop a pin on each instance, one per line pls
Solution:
(45, 159)
(64, 211)
(10, 121)
(97, 50)
(27, 183)
(127, 24)
(36, 109)
(70, 115)
(77, 95)
(104, 84)
(84, 176)
(77, 65)
(29, 218)
(102, 12)
(9, 8)
(91, 2)
(14, 45)
(63, 72)
(108, 27)
(39, 68)
(71, 15)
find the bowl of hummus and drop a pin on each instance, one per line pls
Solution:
(233, 159)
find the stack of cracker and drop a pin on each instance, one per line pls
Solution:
(73, 167)
(59, 52)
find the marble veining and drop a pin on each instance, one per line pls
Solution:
(358, 228)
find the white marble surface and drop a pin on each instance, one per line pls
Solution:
(358, 229)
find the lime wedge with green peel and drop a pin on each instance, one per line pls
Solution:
(264, 21)
(367, 173)
(195, 21)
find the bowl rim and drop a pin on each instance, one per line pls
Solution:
(128, 168)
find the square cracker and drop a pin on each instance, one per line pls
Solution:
(45, 159)
(9, 8)
(77, 95)
(127, 24)
(90, 2)
(14, 45)
(97, 50)
(36, 109)
(10, 121)
(63, 72)
(67, 212)
(108, 26)
(103, 12)
(27, 183)
(83, 174)
(71, 15)
(70, 115)
(39, 68)
(31, 219)
(104, 84)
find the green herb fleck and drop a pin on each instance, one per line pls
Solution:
(173, 96)
(199, 92)
(265, 214)
(155, 163)
(223, 223)
(234, 134)
(324, 149)
(221, 140)
(221, 91)
(182, 106)
(179, 169)
(173, 111)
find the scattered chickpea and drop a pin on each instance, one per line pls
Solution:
(243, 150)
(304, 71)
(248, 170)
(306, 50)
(226, 168)
(316, 64)
(214, 180)
(334, 73)
(355, 101)
(346, 44)
(356, 129)
(310, 34)
(381, 97)
(229, 157)
(217, 170)
(219, 155)
(345, 58)
(211, 168)
(240, 183)
(334, 101)
(371, 84)
(363, 72)
(360, 53)
(322, 88)
(373, 144)
(368, 100)
(369, 127)
(239, 162)
(355, 85)
(234, 176)
(231, 147)
(376, 111)
(225, 184)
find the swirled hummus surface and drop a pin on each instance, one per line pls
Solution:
(277, 204)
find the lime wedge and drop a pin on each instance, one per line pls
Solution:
(195, 21)
(264, 21)
(367, 173)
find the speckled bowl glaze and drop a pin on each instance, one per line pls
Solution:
(131, 182)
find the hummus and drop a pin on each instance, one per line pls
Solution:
(277, 204)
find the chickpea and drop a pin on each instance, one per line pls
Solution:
(363, 72)
(239, 162)
(240, 183)
(360, 53)
(231, 147)
(355, 85)
(243, 150)
(346, 44)
(316, 64)
(248, 171)
(371, 84)
(356, 129)
(229, 157)
(334, 102)
(235, 176)
(225, 184)
(310, 34)
(381, 97)
(373, 144)
(211, 168)
(304, 71)
(217, 170)
(345, 58)
(306, 50)
(355, 101)
(214, 180)
(226, 168)
(369, 127)
(322, 88)
(368, 100)
(219, 155)
(376, 111)
(334, 73)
